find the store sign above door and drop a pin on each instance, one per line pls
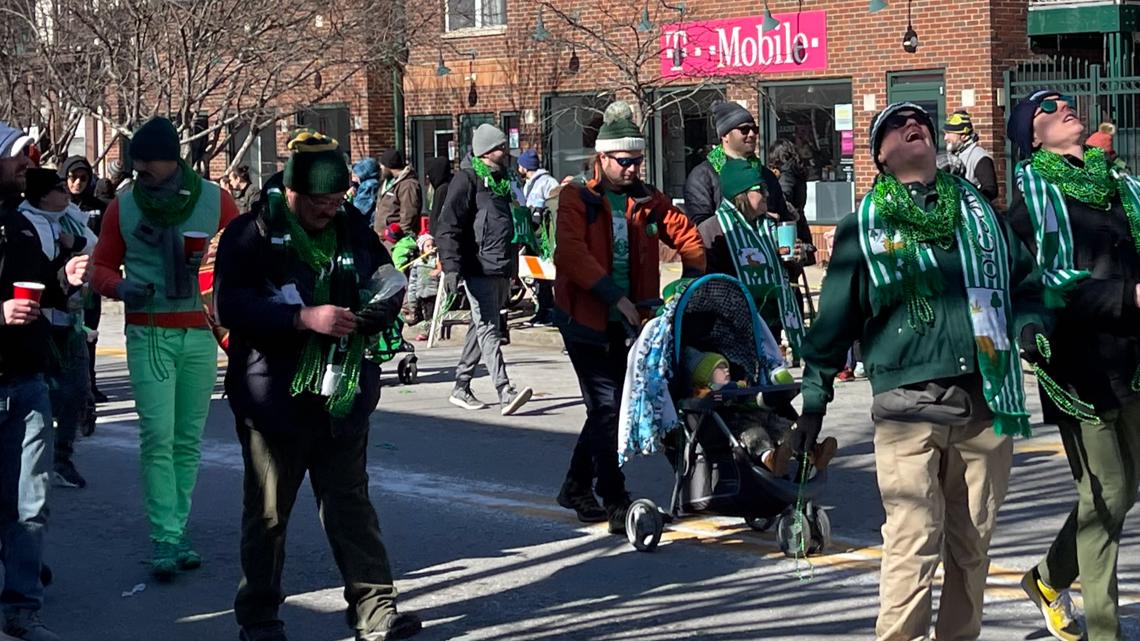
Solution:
(740, 46)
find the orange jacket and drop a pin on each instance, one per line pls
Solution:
(584, 290)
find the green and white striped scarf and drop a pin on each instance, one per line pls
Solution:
(1053, 232)
(759, 267)
(985, 266)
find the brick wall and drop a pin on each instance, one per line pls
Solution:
(970, 41)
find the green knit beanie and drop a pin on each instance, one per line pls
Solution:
(739, 176)
(618, 133)
(157, 139)
(702, 365)
(316, 166)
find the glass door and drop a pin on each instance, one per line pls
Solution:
(924, 88)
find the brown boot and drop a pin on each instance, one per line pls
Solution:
(824, 452)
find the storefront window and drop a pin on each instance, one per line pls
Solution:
(683, 134)
(812, 123)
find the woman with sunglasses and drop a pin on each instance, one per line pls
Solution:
(936, 288)
(1083, 221)
(606, 265)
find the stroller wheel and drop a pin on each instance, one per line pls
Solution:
(820, 529)
(790, 534)
(643, 525)
(407, 370)
(760, 523)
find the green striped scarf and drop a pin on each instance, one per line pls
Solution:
(985, 266)
(1045, 202)
(759, 267)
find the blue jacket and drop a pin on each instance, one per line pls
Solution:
(368, 171)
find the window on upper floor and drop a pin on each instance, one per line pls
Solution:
(475, 14)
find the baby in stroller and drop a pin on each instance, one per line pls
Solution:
(759, 429)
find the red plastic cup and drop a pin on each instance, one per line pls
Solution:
(27, 291)
(194, 242)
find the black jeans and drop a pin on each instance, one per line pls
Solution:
(275, 466)
(601, 372)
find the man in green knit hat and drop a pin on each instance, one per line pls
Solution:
(152, 232)
(294, 284)
(937, 288)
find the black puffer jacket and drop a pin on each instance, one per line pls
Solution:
(1096, 341)
(475, 230)
(264, 346)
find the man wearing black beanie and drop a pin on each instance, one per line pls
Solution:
(1082, 219)
(150, 232)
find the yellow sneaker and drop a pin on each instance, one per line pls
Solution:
(1060, 620)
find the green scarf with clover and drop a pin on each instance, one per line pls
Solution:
(899, 254)
(1045, 180)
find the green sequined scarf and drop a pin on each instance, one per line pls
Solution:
(914, 227)
(498, 186)
(717, 159)
(324, 255)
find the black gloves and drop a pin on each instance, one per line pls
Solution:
(451, 283)
(1028, 339)
(804, 433)
(376, 317)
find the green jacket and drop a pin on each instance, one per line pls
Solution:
(894, 354)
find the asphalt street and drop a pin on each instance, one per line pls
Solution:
(482, 551)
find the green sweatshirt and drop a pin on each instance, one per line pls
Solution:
(893, 353)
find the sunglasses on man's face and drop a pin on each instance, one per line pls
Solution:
(900, 120)
(626, 163)
(746, 130)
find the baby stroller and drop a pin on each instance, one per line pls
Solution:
(713, 473)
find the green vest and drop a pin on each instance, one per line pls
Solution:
(143, 262)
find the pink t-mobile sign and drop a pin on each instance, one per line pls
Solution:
(740, 46)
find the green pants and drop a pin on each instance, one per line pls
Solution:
(173, 372)
(1105, 460)
(275, 467)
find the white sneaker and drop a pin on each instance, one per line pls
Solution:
(512, 399)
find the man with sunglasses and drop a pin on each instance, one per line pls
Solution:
(1083, 221)
(606, 264)
(738, 137)
(475, 237)
(936, 288)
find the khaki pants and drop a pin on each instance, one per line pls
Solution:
(941, 488)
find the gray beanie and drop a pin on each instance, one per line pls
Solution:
(730, 115)
(486, 138)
